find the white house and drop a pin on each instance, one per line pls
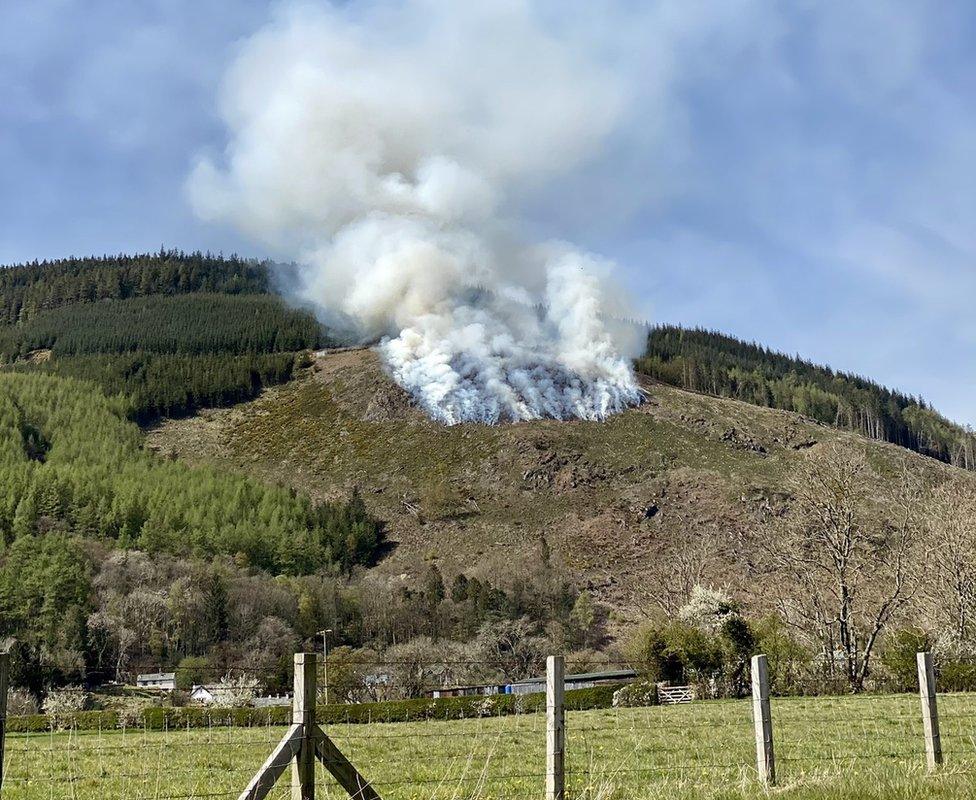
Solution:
(165, 681)
(204, 694)
(210, 694)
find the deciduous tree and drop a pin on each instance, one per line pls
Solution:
(841, 555)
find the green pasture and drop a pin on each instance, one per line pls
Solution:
(840, 747)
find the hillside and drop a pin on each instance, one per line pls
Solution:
(293, 489)
(79, 496)
(170, 332)
(29, 289)
(177, 331)
(642, 506)
(707, 361)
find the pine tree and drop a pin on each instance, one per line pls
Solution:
(25, 518)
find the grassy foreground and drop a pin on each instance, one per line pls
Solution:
(850, 747)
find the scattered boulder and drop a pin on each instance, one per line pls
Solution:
(742, 441)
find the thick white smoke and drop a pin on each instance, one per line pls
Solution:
(387, 151)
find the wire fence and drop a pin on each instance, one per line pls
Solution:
(872, 745)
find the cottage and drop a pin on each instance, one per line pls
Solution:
(205, 695)
(214, 693)
(164, 681)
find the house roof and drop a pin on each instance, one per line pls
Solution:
(157, 676)
(467, 686)
(605, 675)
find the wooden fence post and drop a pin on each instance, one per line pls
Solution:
(555, 729)
(930, 711)
(302, 743)
(763, 719)
(303, 713)
(4, 684)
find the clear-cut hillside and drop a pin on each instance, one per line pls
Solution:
(665, 494)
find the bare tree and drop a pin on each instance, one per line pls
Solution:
(843, 554)
(951, 524)
(111, 630)
(514, 645)
(686, 565)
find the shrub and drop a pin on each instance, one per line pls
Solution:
(789, 661)
(899, 670)
(955, 660)
(709, 646)
(63, 705)
(20, 702)
(30, 723)
(236, 692)
(638, 693)
(957, 676)
(707, 609)
(179, 698)
(651, 649)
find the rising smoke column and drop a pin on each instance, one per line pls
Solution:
(387, 151)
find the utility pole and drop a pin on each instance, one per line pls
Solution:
(325, 660)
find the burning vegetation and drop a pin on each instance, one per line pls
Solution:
(395, 181)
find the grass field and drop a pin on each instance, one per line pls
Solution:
(849, 747)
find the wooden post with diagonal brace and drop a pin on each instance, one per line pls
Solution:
(302, 744)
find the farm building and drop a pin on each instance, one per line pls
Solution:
(468, 691)
(531, 685)
(272, 700)
(582, 680)
(204, 694)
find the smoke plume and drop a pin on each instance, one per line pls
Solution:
(387, 150)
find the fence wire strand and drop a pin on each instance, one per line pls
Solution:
(498, 750)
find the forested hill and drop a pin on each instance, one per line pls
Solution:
(99, 538)
(239, 534)
(28, 289)
(173, 332)
(710, 362)
(169, 332)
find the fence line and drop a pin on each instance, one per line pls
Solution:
(556, 756)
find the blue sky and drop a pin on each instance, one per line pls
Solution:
(802, 174)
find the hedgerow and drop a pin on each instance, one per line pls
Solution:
(159, 718)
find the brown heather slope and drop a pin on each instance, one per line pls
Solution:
(664, 494)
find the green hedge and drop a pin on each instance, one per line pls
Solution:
(164, 718)
(462, 707)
